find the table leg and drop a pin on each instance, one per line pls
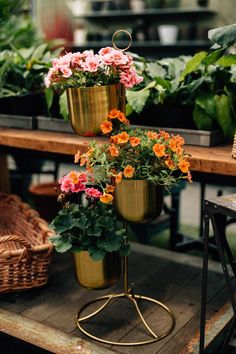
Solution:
(4, 174)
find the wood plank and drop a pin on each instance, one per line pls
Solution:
(46, 337)
(215, 159)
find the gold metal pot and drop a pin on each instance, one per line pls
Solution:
(89, 106)
(97, 274)
(138, 201)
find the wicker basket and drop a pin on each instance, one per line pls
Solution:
(25, 252)
(234, 147)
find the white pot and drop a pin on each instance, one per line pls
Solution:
(168, 34)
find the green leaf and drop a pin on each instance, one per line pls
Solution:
(48, 92)
(94, 231)
(125, 250)
(137, 99)
(63, 106)
(193, 64)
(128, 110)
(227, 60)
(110, 244)
(96, 254)
(223, 36)
(207, 103)
(225, 117)
(202, 120)
(63, 246)
(83, 222)
(39, 51)
(213, 56)
(156, 70)
(62, 223)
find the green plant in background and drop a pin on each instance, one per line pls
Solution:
(206, 81)
(17, 27)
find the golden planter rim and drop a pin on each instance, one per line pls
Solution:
(95, 87)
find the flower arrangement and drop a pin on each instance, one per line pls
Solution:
(85, 223)
(86, 69)
(136, 154)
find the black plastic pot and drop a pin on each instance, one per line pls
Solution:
(26, 105)
(167, 115)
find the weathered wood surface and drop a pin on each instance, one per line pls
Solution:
(216, 159)
(175, 279)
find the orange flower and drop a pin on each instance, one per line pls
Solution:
(74, 176)
(129, 171)
(106, 127)
(114, 113)
(169, 163)
(184, 166)
(77, 157)
(159, 150)
(121, 117)
(152, 135)
(134, 141)
(118, 178)
(122, 138)
(83, 161)
(89, 152)
(114, 139)
(164, 135)
(113, 150)
(106, 198)
(109, 188)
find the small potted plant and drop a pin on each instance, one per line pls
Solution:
(94, 84)
(136, 165)
(90, 229)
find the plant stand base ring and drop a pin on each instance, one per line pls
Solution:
(132, 297)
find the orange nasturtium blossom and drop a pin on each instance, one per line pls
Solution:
(184, 166)
(74, 177)
(152, 135)
(106, 127)
(118, 178)
(106, 198)
(134, 141)
(159, 150)
(114, 113)
(122, 138)
(83, 161)
(129, 171)
(113, 150)
(77, 157)
(169, 163)
(109, 188)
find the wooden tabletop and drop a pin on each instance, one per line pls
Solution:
(217, 159)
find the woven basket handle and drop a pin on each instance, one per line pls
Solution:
(21, 240)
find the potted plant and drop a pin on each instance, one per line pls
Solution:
(136, 165)
(204, 84)
(92, 80)
(90, 229)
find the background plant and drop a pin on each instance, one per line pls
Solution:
(205, 82)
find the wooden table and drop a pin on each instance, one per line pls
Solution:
(217, 160)
(46, 316)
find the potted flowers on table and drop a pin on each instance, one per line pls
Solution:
(94, 84)
(90, 229)
(136, 165)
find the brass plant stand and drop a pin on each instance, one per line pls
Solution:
(128, 294)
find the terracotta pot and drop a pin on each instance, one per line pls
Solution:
(89, 106)
(97, 274)
(138, 201)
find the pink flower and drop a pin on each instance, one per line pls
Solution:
(105, 50)
(91, 63)
(79, 187)
(66, 72)
(93, 193)
(64, 60)
(66, 184)
(130, 78)
(83, 177)
(76, 59)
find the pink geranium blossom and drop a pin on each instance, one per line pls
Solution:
(93, 192)
(86, 69)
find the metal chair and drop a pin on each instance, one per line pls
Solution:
(217, 211)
